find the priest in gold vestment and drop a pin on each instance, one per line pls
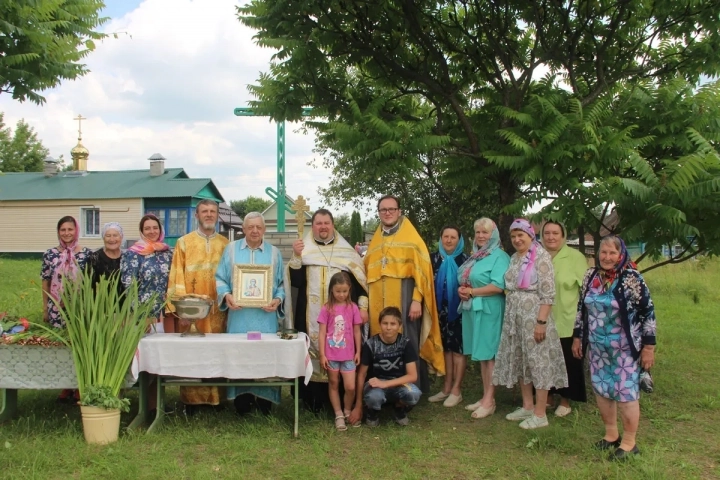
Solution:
(196, 258)
(399, 274)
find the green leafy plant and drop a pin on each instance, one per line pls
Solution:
(101, 396)
(103, 332)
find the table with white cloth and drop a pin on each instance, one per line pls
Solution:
(228, 358)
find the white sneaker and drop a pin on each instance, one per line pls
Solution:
(534, 422)
(562, 411)
(438, 397)
(452, 400)
(519, 414)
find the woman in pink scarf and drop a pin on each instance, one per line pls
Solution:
(148, 262)
(67, 260)
(529, 351)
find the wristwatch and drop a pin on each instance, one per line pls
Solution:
(541, 322)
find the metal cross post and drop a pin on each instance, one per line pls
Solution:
(277, 195)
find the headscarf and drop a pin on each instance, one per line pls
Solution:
(604, 278)
(563, 230)
(492, 244)
(527, 276)
(113, 226)
(447, 277)
(66, 266)
(144, 246)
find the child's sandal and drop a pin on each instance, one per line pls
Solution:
(340, 423)
(347, 419)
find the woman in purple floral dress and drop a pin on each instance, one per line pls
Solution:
(616, 318)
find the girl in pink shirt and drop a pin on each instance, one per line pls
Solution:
(340, 344)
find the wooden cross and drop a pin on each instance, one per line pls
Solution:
(300, 206)
(79, 119)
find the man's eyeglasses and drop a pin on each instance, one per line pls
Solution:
(383, 211)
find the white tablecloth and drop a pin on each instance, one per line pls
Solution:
(223, 355)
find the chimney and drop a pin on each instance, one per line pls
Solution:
(50, 167)
(157, 165)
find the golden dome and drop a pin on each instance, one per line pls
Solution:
(79, 150)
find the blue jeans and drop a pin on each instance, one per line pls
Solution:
(408, 394)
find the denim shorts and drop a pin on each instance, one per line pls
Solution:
(344, 366)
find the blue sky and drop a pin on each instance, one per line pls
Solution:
(118, 8)
(170, 86)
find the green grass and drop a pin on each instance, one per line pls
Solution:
(678, 430)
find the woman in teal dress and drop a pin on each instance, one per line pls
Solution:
(482, 281)
(616, 317)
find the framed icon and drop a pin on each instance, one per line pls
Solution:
(252, 285)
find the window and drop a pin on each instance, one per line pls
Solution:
(90, 222)
(173, 220)
(177, 222)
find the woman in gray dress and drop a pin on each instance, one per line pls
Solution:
(529, 344)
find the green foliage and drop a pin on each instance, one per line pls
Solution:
(102, 396)
(440, 102)
(356, 229)
(20, 151)
(104, 329)
(43, 41)
(342, 225)
(249, 204)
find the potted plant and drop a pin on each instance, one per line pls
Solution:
(103, 332)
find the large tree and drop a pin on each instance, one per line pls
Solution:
(458, 84)
(20, 150)
(249, 204)
(42, 42)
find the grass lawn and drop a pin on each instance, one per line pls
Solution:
(678, 430)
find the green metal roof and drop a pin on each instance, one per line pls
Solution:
(106, 184)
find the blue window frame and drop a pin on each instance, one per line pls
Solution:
(176, 222)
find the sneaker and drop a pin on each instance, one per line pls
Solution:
(562, 411)
(519, 414)
(534, 422)
(438, 397)
(372, 419)
(400, 416)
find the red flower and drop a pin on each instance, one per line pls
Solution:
(24, 323)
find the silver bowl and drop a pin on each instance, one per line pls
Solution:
(192, 309)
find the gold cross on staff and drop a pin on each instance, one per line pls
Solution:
(300, 206)
(79, 119)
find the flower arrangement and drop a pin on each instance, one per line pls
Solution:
(20, 331)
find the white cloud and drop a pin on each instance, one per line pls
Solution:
(170, 86)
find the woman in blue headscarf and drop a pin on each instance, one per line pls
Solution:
(481, 282)
(445, 263)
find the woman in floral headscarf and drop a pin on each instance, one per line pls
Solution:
(66, 260)
(529, 345)
(148, 262)
(616, 317)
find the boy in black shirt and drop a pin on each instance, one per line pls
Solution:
(394, 365)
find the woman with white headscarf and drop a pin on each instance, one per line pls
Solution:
(105, 261)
